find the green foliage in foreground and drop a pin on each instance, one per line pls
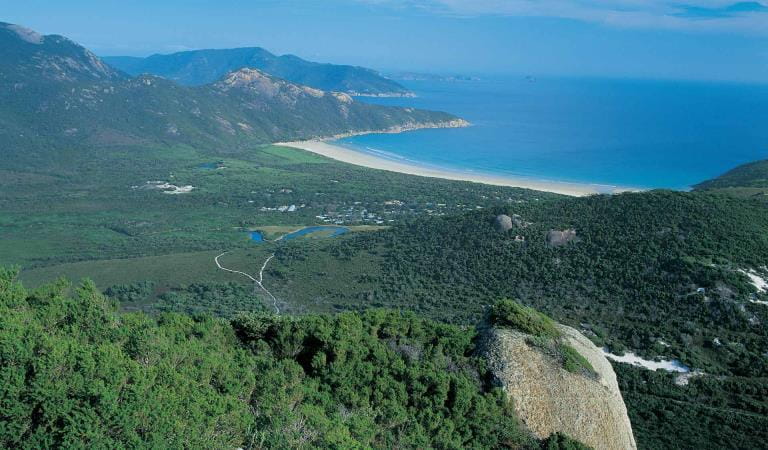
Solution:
(380, 378)
(75, 373)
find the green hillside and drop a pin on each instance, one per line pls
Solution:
(746, 181)
(198, 67)
(750, 175)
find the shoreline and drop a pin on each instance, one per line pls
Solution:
(358, 158)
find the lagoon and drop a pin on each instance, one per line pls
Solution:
(322, 231)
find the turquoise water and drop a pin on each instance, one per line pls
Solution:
(616, 132)
(256, 236)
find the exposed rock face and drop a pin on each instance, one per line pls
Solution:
(266, 85)
(502, 223)
(548, 399)
(556, 238)
(518, 221)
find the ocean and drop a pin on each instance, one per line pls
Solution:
(644, 134)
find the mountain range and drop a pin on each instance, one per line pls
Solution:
(197, 67)
(56, 93)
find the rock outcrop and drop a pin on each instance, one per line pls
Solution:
(502, 223)
(549, 399)
(556, 238)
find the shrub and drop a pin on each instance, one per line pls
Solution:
(561, 441)
(510, 314)
(573, 361)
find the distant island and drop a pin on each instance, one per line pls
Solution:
(417, 76)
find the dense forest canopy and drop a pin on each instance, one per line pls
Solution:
(643, 269)
(77, 373)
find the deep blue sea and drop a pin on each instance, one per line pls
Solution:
(649, 134)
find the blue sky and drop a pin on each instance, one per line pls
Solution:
(694, 39)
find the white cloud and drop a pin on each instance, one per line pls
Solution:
(695, 15)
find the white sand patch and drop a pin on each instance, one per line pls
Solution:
(179, 189)
(630, 358)
(757, 281)
(684, 378)
(166, 187)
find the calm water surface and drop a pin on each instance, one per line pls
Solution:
(618, 132)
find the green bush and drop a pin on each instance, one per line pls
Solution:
(510, 314)
(561, 441)
(573, 361)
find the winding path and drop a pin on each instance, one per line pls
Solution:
(260, 281)
(256, 282)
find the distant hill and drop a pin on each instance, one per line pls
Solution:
(750, 175)
(198, 67)
(55, 93)
(746, 181)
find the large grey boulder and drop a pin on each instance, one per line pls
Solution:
(549, 399)
(502, 223)
(556, 238)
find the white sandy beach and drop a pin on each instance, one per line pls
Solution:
(366, 160)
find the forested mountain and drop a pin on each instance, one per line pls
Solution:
(199, 67)
(54, 93)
